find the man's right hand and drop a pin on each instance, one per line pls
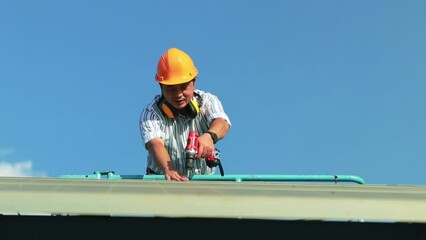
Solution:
(174, 175)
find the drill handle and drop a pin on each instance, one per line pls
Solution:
(214, 160)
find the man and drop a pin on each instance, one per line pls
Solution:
(165, 122)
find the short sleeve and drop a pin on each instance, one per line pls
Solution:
(213, 108)
(150, 125)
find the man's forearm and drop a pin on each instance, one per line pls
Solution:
(163, 161)
(159, 152)
(219, 126)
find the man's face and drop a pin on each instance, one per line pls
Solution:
(179, 95)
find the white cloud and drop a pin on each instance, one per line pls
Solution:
(16, 169)
(19, 169)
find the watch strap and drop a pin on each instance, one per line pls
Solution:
(214, 136)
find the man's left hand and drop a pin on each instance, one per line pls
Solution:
(205, 146)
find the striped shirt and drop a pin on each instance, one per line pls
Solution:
(174, 132)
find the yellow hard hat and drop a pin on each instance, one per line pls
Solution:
(175, 67)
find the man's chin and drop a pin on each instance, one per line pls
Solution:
(179, 106)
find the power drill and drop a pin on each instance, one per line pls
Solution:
(191, 150)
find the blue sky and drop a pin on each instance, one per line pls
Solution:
(311, 87)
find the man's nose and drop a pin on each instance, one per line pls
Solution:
(177, 91)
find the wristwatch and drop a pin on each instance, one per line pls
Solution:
(214, 136)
